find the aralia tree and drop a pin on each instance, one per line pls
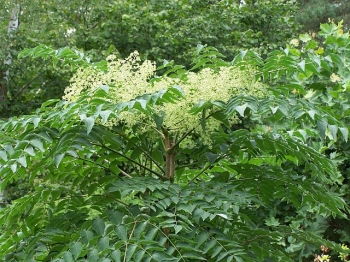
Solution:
(137, 167)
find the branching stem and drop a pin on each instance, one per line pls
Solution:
(130, 159)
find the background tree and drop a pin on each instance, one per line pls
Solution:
(312, 13)
(5, 74)
(157, 29)
(50, 22)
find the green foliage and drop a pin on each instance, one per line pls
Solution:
(267, 188)
(157, 29)
(169, 30)
(32, 82)
(314, 12)
(319, 73)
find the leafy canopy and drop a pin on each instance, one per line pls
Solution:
(102, 27)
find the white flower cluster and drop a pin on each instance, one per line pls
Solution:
(126, 78)
(129, 78)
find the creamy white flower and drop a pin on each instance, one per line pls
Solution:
(294, 42)
(130, 77)
(335, 78)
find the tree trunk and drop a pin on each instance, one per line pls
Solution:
(170, 154)
(4, 75)
(3, 91)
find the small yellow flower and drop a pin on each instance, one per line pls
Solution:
(322, 258)
(335, 78)
(295, 91)
(294, 42)
(344, 256)
(268, 129)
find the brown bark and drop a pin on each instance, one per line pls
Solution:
(170, 154)
(3, 91)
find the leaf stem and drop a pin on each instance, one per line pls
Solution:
(143, 151)
(128, 158)
(206, 168)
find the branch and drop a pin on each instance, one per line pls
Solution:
(189, 132)
(24, 87)
(130, 159)
(207, 167)
(125, 174)
(143, 151)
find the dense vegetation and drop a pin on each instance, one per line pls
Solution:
(168, 187)
(210, 157)
(314, 12)
(158, 30)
